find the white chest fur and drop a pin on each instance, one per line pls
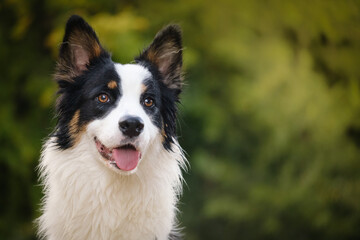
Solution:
(85, 200)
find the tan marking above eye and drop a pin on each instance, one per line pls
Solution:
(143, 88)
(112, 84)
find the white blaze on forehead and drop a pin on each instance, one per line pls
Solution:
(131, 78)
(131, 81)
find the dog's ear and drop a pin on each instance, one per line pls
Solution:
(80, 45)
(165, 53)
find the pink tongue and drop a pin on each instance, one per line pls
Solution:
(126, 159)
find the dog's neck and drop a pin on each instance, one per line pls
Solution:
(85, 187)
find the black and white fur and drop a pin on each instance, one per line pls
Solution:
(87, 196)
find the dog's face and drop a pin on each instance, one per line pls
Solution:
(122, 109)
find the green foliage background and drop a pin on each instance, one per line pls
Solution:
(269, 120)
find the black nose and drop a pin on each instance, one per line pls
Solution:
(131, 126)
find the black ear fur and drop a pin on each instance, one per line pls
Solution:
(165, 53)
(79, 47)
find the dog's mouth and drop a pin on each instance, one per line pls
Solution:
(125, 157)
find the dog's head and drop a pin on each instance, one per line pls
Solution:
(121, 109)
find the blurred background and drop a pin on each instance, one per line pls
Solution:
(270, 117)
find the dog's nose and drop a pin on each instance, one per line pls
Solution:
(131, 126)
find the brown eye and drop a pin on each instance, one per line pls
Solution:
(148, 102)
(103, 98)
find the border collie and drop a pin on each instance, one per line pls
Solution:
(112, 167)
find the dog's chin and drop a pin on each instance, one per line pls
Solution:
(123, 159)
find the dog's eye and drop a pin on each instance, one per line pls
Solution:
(148, 102)
(103, 98)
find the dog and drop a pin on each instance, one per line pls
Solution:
(112, 168)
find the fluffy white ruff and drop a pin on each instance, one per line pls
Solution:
(86, 200)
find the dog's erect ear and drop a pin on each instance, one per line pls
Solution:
(165, 52)
(80, 45)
